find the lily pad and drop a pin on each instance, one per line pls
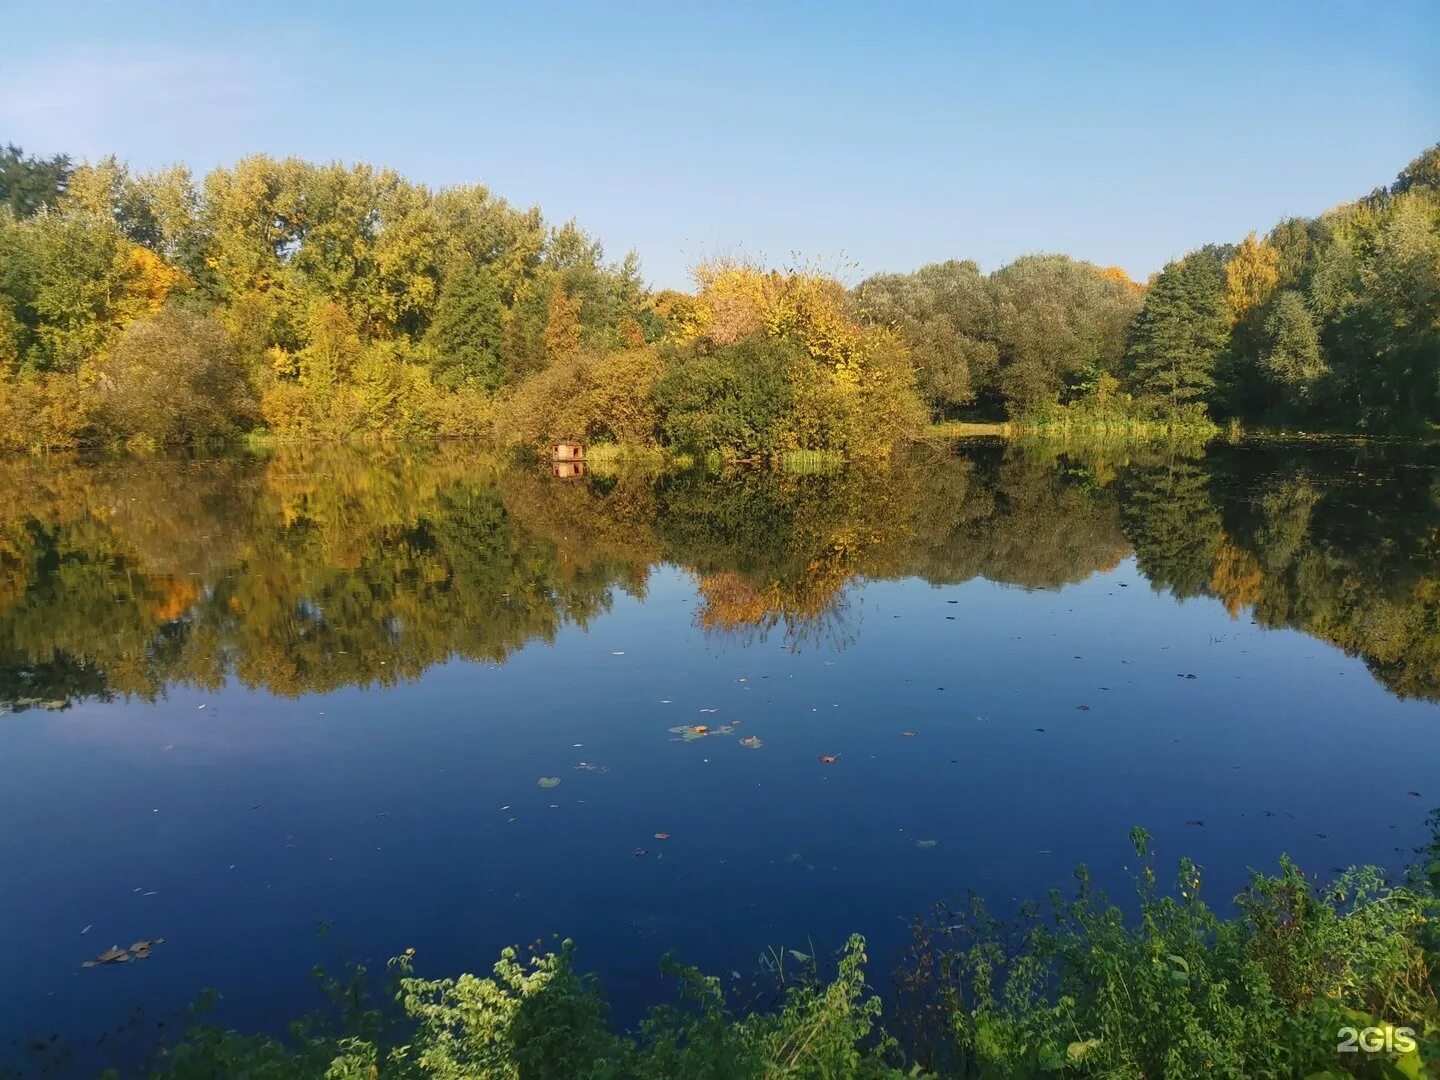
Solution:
(548, 782)
(752, 742)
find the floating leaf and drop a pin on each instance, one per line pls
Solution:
(116, 955)
(798, 955)
(829, 759)
(926, 845)
(548, 782)
(752, 742)
(662, 836)
(908, 734)
(691, 732)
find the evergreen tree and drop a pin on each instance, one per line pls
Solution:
(1293, 359)
(1180, 333)
(466, 332)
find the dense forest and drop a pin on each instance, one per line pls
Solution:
(328, 302)
(322, 567)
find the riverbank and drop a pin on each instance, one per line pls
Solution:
(1283, 986)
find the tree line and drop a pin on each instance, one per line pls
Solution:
(331, 301)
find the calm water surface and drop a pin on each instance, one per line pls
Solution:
(244, 699)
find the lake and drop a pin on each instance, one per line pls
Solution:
(283, 710)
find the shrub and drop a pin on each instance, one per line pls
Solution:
(592, 398)
(44, 412)
(733, 401)
(540, 1018)
(173, 378)
(1179, 991)
(468, 413)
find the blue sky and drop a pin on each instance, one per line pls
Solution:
(881, 136)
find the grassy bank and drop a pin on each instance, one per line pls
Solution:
(1079, 987)
(1076, 427)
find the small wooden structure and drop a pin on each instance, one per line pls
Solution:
(567, 470)
(568, 451)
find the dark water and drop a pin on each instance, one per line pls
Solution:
(250, 697)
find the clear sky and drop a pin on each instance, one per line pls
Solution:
(889, 135)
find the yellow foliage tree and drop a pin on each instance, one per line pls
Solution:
(148, 282)
(1119, 275)
(333, 349)
(561, 336)
(857, 394)
(1251, 277)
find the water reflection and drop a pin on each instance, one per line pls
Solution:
(316, 569)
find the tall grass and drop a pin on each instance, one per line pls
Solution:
(807, 462)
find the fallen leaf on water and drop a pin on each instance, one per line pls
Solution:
(829, 759)
(1082, 708)
(701, 729)
(908, 734)
(752, 742)
(116, 955)
(1197, 822)
(926, 845)
(548, 782)
(662, 836)
(639, 852)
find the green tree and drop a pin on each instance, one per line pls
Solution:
(1057, 322)
(943, 312)
(733, 401)
(465, 335)
(1424, 171)
(30, 184)
(1180, 334)
(1293, 360)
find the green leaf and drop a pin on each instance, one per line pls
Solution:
(1409, 1067)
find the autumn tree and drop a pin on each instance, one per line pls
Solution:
(560, 339)
(174, 377)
